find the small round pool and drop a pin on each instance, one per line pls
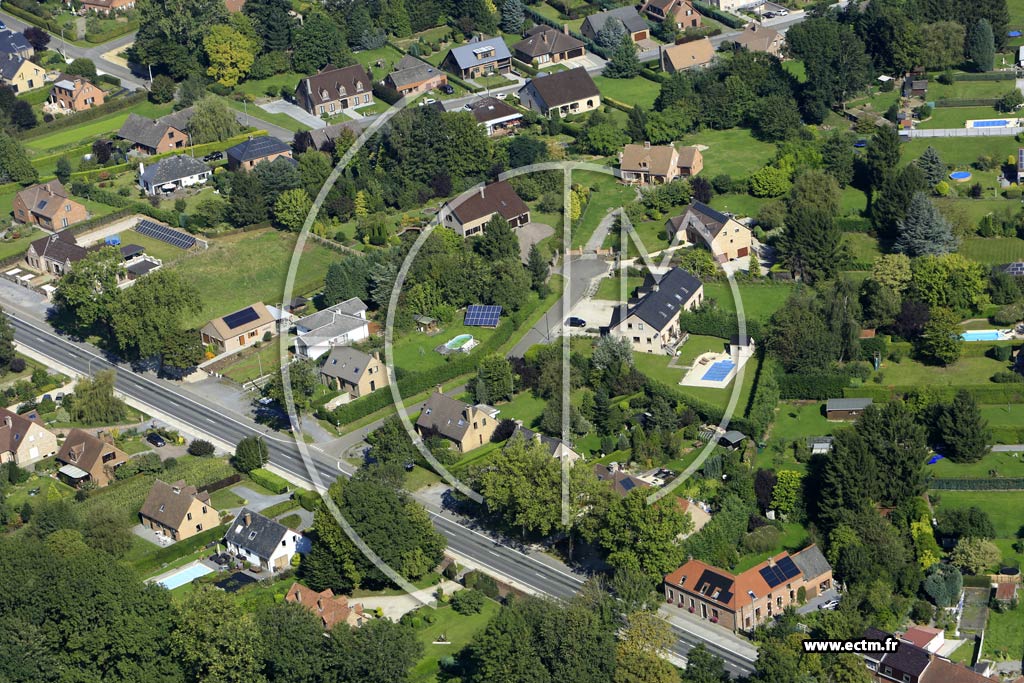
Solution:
(458, 342)
(960, 176)
(1013, 34)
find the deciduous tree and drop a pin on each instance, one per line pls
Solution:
(291, 208)
(212, 121)
(251, 453)
(974, 555)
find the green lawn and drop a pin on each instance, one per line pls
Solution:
(739, 203)
(493, 81)
(258, 88)
(954, 117)
(993, 250)
(966, 371)
(28, 234)
(962, 151)
(630, 91)
(49, 490)
(1004, 415)
(459, 630)
(1005, 464)
(226, 498)
(158, 249)
(760, 301)
(1005, 508)
(610, 288)
(793, 538)
(246, 267)
(255, 363)
(793, 422)
(735, 152)
(968, 90)
(415, 351)
(852, 202)
(523, 406)
(77, 135)
(606, 194)
(1003, 634)
(796, 68)
(387, 54)
(656, 367)
(254, 112)
(861, 246)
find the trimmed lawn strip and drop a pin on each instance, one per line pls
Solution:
(255, 363)
(254, 112)
(459, 630)
(1005, 464)
(226, 498)
(993, 250)
(735, 152)
(629, 91)
(966, 371)
(760, 301)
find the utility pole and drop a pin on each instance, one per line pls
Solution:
(150, 66)
(63, 46)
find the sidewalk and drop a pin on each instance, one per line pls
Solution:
(709, 632)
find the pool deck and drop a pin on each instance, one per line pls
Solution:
(694, 376)
(185, 567)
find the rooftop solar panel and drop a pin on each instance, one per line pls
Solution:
(482, 316)
(771, 576)
(242, 317)
(788, 568)
(165, 234)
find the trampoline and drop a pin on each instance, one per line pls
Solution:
(719, 371)
(960, 176)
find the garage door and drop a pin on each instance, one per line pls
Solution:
(640, 35)
(578, 52)
(742, 251)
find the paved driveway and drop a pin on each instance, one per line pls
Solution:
(589, 61)
(597, 313)
(294, 111)
(531, 234)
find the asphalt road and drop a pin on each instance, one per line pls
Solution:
(532, 569)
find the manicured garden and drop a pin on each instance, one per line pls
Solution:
(735, 152)
(794, 422)
(458, 630)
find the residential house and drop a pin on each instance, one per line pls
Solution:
(12, 43)
(85, 457)
(635, 25)
(723, 235)
(545, 44)
(495, 116)
(469, 213)
(240, 329)
(926, 637)
(651, 323)
(412, 75)
(333, 90)
(21, 74)
(650, 164)
(173, 173)
(351, 370)
(621, 481)
(331, 609)
(54, 254)
(565, 92)
(261, 542)
(245, 155)
(679, 12)
(845, 408)
(903, 661)
(107, 6)
(758, 38)
(48, 206)
(557, 448)
(341, 324)
(149, 136)
(72, 94)
(746, 600)
(479, 58)
(731, 6)
(466, 426)
(177, 510)
(694, 54)
(23, 438)
(324, 139)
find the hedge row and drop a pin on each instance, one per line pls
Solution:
(468, 86)
(729, 20)
(413, 383)
(524, 67)
(992, 484)
(817, 386)
(996, 393)
(280, 508)
(988, 76)
(621, 106)
(116, 32)
(658, 77)
(109, 107)
(49, 24)
(763, 399)
(309, 500)
(158, 558)
(979, 102)
(854, 224)
(269, 480)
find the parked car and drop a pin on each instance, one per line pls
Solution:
(768, 15)
(783, 12)
(831, 604)
(214, 156)
(502, 95)
(59, 397)
(3, 26)
(156, 440)
(576, 322)
(47, 397)
(447, 89)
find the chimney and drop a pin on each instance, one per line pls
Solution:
(320, 604)
(565, 29)
(482, 191)
(544, 37)
(8, 421)
(142, 168)
(376, 355)
(771, 561)
(654, 287)
(248, 518)
(438, 388)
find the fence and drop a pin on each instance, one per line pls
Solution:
(994, 131)
(993, 484)
(976, 102)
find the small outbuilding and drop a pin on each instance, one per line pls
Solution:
(846, 408)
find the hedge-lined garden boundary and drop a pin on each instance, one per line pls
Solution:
(111, 106)
(991, 484)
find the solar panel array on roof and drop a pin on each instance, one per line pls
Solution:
(780, 572)
(482, 316)
(242, 317)
(165, 234)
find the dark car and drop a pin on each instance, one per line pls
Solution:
(214, 156)
(861, 143)
(156, 440)
(447, 89)
(3, 26)
(576, 322)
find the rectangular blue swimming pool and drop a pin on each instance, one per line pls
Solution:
(185, 575)
(982, 335)
(994, 123)
(718, 371)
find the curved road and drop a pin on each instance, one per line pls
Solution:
(536, 571)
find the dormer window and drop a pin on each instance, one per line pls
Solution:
(359, 86)
(342, 91)
(323, 94)
(252, 535)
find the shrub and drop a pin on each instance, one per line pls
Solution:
(468, 601)
(269, 480)
(1000, 353)
(17, 365)
(801, 594)
(946, 78)
(201, 447)
(309, 500)
(1007, 377)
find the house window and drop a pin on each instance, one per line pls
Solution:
(204, 509)
(199, 527)
(323, 110)
(640, 326)
(332, 107)
(188, 516)
(906, 678)
(366, 98)
(888, 671)
(284, 543)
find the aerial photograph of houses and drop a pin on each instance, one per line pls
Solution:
(512, 341)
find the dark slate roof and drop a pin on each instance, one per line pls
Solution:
(564, 87)
(445, 416)
(712, 220)
(59, 247)
(490, 108)
(346, 363)
(178, 119)
(811, 562)
(9, 65)
(908, 658)
(546, 40)
(173, 168)
(257, 148)
(336, 83)
(11, 42)
(847, 404)
(142, 267)
(465, 55)
(142, 130)
(410, 71)
(261, 536)
(131, 251)
(497, 197)
(657, 306)
(627, 15)
(550, 443)
(735, 340)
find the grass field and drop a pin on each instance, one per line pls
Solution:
(861, 246)
(524, 406)
(1005, 464)
(1003, 634)
(1004, 415)
(1005, 508)
(796, 68)
(240, 269)
(16, 246)
(456, 628)
(49, 490)
(77, 135)
(993, 250)
(741, 204)
(968, 90)
(606, 194)
(966, 371)
(610, 288)
(226, 498)
(954, 117)
(258, 88)
(415, 351)
(735, 152)
(388, 55)
(656, 367)
(254, 112)
(792, 538)
(759, 301)
(631, 91)
(793, 422)
(263, 360)
(961, 151)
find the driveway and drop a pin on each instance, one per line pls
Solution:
(589, 61)
(257, 501)
(812, 605)
(294, 111)
(394, 606)
(597, 313)
(531, 234)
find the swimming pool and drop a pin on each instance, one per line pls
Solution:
(456, 343)
(719, 370)
(983, 335)
(990, 123)
(960, 175)
(185, 575)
